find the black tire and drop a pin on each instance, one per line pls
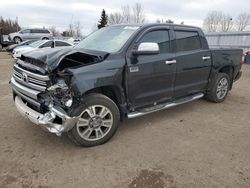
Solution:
(95, 101)
(17, 40)
(45, 38)
(213, 95)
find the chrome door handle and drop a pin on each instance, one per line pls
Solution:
(170, 62)
(206, 58)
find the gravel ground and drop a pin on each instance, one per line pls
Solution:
(199, 144)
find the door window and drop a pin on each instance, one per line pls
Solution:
(161, 37)
(61, 43)
(25, 31)
(35, 31)
(47, 44)
(187, 40)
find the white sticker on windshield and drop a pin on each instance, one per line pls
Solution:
(131, 27)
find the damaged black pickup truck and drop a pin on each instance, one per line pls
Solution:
(122, 71)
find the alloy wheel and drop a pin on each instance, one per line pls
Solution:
(222, 88)
(95, 122)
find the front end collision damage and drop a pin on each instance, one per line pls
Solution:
(47, 121)
(71, 77)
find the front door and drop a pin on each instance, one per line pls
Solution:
(151, 78)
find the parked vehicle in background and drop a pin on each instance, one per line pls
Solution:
(117, 72)
(4, 42)
(10, 48)
(247, 58)
(74, 41)
(18, 51)
(30, 34)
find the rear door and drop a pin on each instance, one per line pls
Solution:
(36, 34)
(193, 63)
(150, 80)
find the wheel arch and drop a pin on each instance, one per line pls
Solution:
(18, 37)
(115, 93)
(229, 70)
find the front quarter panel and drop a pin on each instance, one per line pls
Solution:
(106, 73)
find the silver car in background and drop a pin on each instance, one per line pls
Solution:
(18, 51)
(30, 34)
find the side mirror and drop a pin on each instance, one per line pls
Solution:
(247, 59)
(147, 48)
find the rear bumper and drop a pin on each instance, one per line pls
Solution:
(238, 76)
(47, 120)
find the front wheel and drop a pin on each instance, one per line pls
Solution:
(219, 89)
(98, 122)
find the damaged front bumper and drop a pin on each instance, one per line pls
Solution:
(47, 121)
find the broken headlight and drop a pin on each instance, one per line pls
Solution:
(61, 93)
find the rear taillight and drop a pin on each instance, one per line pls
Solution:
(242, 59)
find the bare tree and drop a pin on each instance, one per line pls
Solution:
(138, 13)
(115, 18)
(212, 21)
(126, 14)
(71, 30)
(226, 23)
(54, 31)
(242, 21)
(78, 29)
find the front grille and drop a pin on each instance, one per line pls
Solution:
(30, 79)
(28, 85)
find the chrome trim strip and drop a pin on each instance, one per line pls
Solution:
(167, 105)
(31, 101)
(31, 74)
(30, 84)
(26, 91)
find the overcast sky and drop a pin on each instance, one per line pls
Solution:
(39, 13)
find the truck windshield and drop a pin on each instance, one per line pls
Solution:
(108, 39)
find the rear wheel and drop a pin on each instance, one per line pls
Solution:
(17, 40)
(98, 121)
(219, 89)
(45, 38)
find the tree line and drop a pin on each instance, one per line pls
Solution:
(217, 21)
(9, 26)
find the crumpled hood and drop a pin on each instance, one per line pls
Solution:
(50, 58)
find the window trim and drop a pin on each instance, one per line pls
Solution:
(135, 42)
(188, 31)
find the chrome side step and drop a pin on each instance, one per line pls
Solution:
(165, 106)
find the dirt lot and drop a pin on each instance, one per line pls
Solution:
(199, 144)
